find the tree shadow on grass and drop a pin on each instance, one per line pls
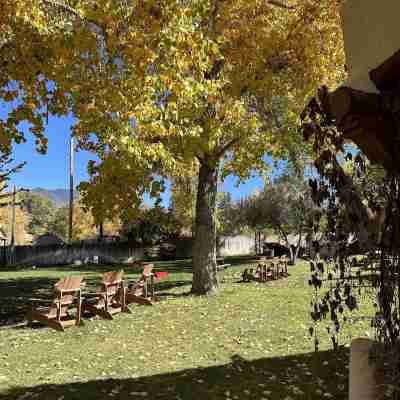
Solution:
(176, 266)
(304, 377)
(163, 286)
(239, 260)
(16, 295)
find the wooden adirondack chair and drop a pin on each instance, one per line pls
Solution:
(67, 291)
(142, 291)
(263, 273)
(110, 298)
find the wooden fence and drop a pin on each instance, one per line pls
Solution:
(117, 252)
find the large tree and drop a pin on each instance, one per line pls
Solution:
(170, 83)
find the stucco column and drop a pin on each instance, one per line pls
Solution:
(363, 383)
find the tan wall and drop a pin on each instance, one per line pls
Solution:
(364, 380)
(235, 245)
(371, 31)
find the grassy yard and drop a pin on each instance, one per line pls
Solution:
(249, 342)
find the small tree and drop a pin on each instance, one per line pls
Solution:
(40, 211)
(59, 223)
(7, 168)
(152, 225)
(286, 207)
(83, 225)
(228, 217)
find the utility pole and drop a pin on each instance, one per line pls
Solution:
(12, 239)
(71, 189)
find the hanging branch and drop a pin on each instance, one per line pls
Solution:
(281, 5)
(374, 218)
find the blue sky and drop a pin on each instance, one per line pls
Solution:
(50, 171)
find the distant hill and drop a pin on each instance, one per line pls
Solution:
(60, 197)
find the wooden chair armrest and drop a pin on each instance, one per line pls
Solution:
(93, 294)
(43, 301)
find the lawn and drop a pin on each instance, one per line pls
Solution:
(249, 342)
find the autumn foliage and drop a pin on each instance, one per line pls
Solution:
(164, 85)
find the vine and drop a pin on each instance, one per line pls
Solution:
(363, 224)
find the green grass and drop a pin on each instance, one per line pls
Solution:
(249, 342)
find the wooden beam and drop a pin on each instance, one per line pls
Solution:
(386, 77)
(281, 4)
(373, 134)
(346, 100)
(362, 118)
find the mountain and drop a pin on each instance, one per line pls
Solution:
(60, 197)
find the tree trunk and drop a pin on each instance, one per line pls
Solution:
(291, 254)
(204, 250)
(289, 247)
(101, 234)
(297, 250)
(294, 254)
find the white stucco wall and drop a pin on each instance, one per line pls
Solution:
(236, 245)
(371, 30)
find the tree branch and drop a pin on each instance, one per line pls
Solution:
(225, 148)
(280, 4)
(68, 9)
(283, 233)
(211, 23)
(63, 6)
(4, 175)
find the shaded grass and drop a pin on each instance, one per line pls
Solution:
(299, 376)
(186, 347)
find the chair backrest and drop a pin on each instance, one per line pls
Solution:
(147, 269)
(113, 277)
(112, 283)
(67, 288)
